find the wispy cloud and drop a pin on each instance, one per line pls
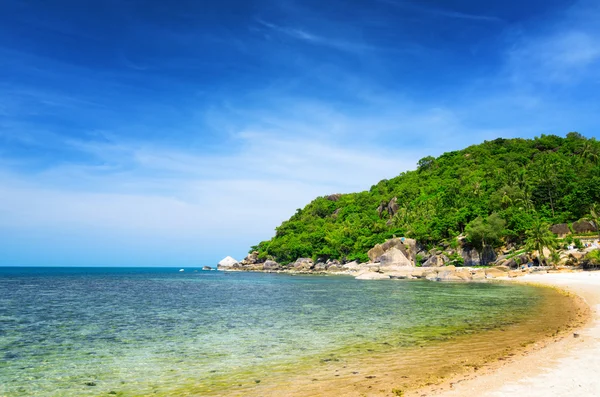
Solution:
(439, 12)
(566, 51)
(315, 39)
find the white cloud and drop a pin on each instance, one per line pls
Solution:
(566, 53)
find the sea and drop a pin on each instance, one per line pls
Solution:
(67, 331)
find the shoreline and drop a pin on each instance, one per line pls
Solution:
(451, 363)
(564, 365)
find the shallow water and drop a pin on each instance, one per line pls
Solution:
(103, 331)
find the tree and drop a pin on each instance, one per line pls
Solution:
(594, 216)
(540, 237)
(425, 163)
(485, 233)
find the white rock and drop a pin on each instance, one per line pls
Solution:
(226, 263)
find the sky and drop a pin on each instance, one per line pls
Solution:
(174, 133)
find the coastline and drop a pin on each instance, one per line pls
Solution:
(565, 365)
(471, 356)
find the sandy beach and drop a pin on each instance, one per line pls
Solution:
(570, 366)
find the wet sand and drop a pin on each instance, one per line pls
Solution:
(460, 366)
(567, 366)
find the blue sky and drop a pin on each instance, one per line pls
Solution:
(179, 132)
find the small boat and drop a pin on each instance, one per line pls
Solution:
(182, 270)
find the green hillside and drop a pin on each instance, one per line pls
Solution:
(521, 181)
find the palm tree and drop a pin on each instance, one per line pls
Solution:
(540, 237)
(594, 216)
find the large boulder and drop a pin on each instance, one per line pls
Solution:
(495, 272)
(394, 257)
(472, 257)
(304, 264)
(227, 263)
(352, 266)
(271, 265)
(408, 247)
(435, 261)
(251, 259)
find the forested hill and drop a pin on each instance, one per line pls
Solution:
(522, 181)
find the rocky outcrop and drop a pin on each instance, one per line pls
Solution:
(472, 257)
(228, 263)
(303, 264)
(408, 247)
(251, 259)
(436, 261)
(394, 257)
(333, 197)
(271, 265)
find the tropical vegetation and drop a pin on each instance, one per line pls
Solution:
(504, 191)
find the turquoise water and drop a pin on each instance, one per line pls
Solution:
(95, 331)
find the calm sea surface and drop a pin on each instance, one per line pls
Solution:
(158, 331)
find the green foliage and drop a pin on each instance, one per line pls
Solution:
(540, 237)
(486, 232)
(516, 181)
(593, 257)
(456, 259)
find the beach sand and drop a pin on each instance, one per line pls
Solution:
(568, 367)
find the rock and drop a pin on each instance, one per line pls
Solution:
(495, 272)
(418, 273)
(207, 268)
(375, 252)
(336, 213)
(334, 268)
(320, 266)
(513, 274)
(271, 265)
(435, 261)
(473, 258)
(227, 263)
(453, 275)
(303, 264)
(408, 247)
(577, 255)
(394, 257)
(478, 275)
(503, 268)
(372, 276)
(431, 276)
(332, 262)
(511, 263)
(333, 197)
(352, 266)
(400, 274)
(445, 268)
